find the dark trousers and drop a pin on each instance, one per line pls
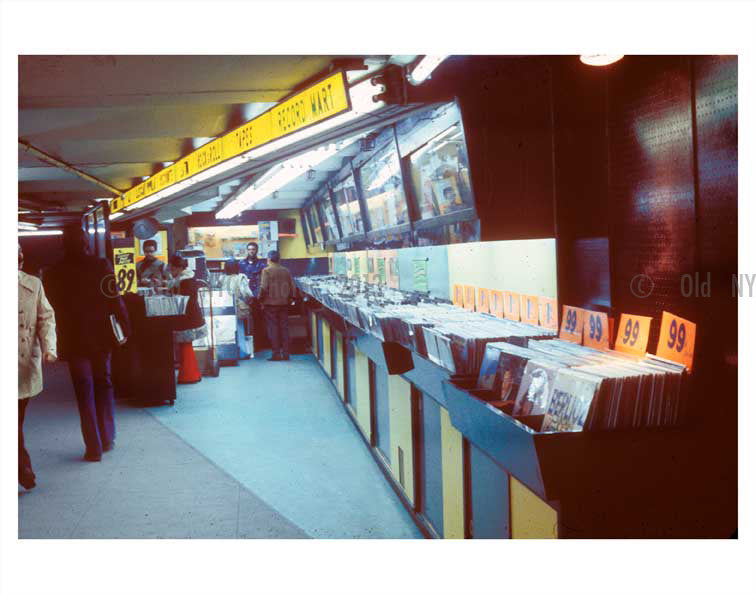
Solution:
(25, 472)
(94, 396)
(277, 317)
(258, 321)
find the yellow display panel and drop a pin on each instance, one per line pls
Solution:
(314, 323)
(327, 347)
(362, 395)
(531, 516)
(339, 363)
(324, 99)
(400, 431)
(452, 478)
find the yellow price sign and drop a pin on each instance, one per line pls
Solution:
(124, 266)
(484, 299)
(632, 334)
(469, 298)
(596, 330)
(512, 305)
(529, 309)
(677, 339)
(572, 324)
(496, 304)
(458, 295)
(547, 312)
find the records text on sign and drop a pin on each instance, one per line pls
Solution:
(677, 339)
(572, 324)
(596, 330)
(632, 334)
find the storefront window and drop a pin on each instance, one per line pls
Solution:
(381, 179)
(328, 216)
(463, 232)
(441, 175)
(312, 220)
(348, 206)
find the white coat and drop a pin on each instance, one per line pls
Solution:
(36, 334)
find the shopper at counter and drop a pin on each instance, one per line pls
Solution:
(182, 282)
(36, 343)
(252, 267)
(276, 293)
(150, 271)
(238, 285)
(81, 289)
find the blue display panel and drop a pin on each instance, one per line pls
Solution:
(431, 468)
(490, 497)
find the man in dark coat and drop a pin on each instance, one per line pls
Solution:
(81, 288)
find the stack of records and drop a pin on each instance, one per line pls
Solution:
(165, 305)
(578, 388)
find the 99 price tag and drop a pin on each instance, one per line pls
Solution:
(484, 298)
(677, 339)
(547, 312)
(458, 295)
(572, 324)
(529, 309)
(496, 304)
(632, 334)
(596, 330)
(469, 298)
(512, 305)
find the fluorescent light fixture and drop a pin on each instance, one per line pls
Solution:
(40, 233)
(24, 226)
(430, 144)
(600, 59)
(424, 68)
(115, 215)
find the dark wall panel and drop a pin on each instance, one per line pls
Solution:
(652, 190)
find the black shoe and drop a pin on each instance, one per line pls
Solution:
(89, 457)
(106, 447)
(275, 358)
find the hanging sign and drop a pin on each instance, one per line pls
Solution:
(124, 266)
(677, 339)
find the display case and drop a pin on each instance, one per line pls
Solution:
(324, 205)
(383, 189)
(348, 206)
(313, 221)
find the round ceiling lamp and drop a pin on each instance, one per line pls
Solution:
(600, 59)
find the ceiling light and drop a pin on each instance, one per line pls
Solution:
(424, 68)
(600, 59)
(115, 216)
(23, 225)
(39, 233)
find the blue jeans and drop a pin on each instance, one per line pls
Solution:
(94, 397)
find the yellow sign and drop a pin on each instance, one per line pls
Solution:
(632, 334)
(596, 330)
(458, 295)
(496, 306)
(469, 298)
(323, 100)
(484, 298)
(124, 265)
(512, 306)
(677, 339)
(529, 309)
(547, 312)
(572, 324)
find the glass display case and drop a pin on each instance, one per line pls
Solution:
(462, 232)
(328, 216)
(348, 207)
(383, 189)
(316, 234)
(441, 175)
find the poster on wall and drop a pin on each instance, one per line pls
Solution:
(266, 247)
(223, 243)
(420, 275)
(267, 230)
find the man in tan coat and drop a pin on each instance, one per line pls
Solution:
(276, 292)
(36, 342)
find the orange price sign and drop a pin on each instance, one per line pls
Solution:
(458, 295)
(512, 305)
(496, 306)
(547, 312)
(529, 309)
(632, 334)
(572, 324)
(677, 339)
(596, 330)
(484, 300)
(469, 298)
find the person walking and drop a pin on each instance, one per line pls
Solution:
(276, 293)
(36, 343)
(81, 289)
(237, 284)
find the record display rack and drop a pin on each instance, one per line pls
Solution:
(475, 472)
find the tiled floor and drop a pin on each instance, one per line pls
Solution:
(263, 451)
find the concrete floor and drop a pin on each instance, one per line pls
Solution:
(263, 451)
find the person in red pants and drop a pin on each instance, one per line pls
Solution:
(36, 343)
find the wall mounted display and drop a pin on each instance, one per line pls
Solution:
(383, 189)
(348, 207)
(328, 216)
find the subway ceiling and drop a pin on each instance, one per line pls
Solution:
(121, 118)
